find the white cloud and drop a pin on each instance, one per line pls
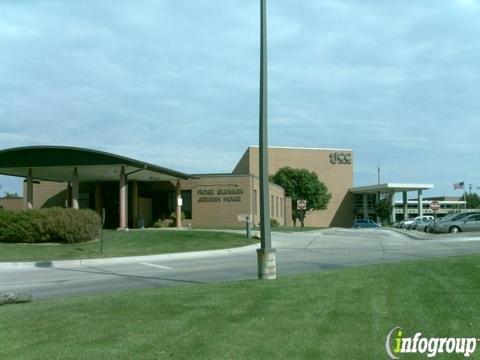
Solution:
(176, 83)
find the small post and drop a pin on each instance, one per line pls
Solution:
(101, 230)
(248, 225)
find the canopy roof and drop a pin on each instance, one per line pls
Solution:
(389, 187)
(56, 163)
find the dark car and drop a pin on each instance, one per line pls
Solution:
(365, 223)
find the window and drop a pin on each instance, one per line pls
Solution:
(281, 208)
(254, 202)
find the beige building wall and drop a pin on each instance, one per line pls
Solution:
(47, 194)
(276, 201)
(11, 203)
(334, 168)
(219, 200)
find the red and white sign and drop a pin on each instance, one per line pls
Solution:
(434, 205)
(301, 204)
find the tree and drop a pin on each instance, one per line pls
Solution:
(473, 200)
(302, 184)
(384, 208)
(10, 195)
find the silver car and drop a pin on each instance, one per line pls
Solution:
(450, 217)
(466, 223)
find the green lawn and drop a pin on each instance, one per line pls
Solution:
(338, 314)
(130, 243)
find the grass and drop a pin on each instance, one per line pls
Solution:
(131, 243)
(338, 314)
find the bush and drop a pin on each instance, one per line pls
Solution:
(173, 216)
(158, 224)
(49, 225)
(274, 223)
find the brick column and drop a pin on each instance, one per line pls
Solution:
(75, 190)
(30, 189)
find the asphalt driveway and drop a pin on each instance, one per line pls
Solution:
(296, 253)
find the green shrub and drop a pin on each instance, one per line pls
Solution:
(274, 223)
(158, 224)
(49, 225)
(173, 216)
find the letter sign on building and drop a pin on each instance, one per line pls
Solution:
(341, 158)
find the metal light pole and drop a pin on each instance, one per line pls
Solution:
(267, 268)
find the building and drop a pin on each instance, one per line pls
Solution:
(134, 193)
(11, 203)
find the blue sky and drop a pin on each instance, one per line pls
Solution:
(175, 83)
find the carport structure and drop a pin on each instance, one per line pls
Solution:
(391, 189)
(75, 165)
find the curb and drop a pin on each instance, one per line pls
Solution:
(412, 236)
(123, 260)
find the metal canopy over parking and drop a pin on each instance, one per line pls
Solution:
(391, 189)
(74, 165)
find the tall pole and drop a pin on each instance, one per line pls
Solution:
(266, 255)
(378, 173)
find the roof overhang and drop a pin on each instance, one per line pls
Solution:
(389, 187)
(56, 163)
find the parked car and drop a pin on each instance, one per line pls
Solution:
(401, 224)
(449, 217)
(423, 226)
(405, 223)
(419, 219)
(365, 223)
(465, 223)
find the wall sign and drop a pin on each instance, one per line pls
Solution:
(341, 158)
(223, 194)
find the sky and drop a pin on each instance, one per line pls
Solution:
(176, 82)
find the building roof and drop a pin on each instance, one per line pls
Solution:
(56, 163)
(396, 187)
(302, 148)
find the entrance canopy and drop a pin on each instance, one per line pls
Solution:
(57, 163)
(389, 187)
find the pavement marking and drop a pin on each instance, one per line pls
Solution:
(157, 266)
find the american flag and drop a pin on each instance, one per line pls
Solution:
(460, 185)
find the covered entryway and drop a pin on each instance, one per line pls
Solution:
(94, 179)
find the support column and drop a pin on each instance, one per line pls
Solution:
(30, 189)
(135, 204)
(377, 201)
(365, 206)
(420, 203)
(393, 215)
(69, 195)
(75, 191)
(179, 205)
(123, 200)
(98, 199)
(405, 206)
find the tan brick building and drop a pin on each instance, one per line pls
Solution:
(334, 168)
(135, 193)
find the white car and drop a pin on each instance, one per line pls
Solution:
(419, 219)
